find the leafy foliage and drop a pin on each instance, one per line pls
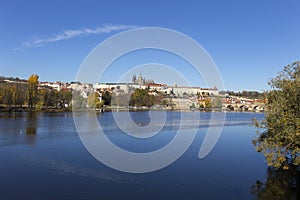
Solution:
(33, 81)
(93, 100)
(279, 139)
(140, 97)
(18, 93)
(216, 102)
(207, 103)
(107, 98)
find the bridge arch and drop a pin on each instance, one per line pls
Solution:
(244, 108)
(230, 107)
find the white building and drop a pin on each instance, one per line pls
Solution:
(56, 85)
(190, 91)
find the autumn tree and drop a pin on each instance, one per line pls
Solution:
(19, 93)
(93, 100)
(33, 81)
(207, 103)
(279, 138)
(8, 95)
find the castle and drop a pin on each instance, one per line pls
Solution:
(141, 80)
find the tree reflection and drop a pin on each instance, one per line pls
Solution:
(280, 184)
(31, 128)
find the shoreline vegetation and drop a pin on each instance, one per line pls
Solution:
(18, 95)
(111, 109)
(278, 136)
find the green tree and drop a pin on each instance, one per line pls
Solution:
(279, 138)
(78, 101)
(50, 98)
(8, 95)
(107, 98)
(140, 97)
(1, 93)
(33, 81)
(13, 94)
(20, 94)
(64, 97)
(120, 100)
(216, 102)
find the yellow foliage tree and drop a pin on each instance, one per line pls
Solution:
(33, 82)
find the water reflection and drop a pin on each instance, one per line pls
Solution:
(280, 184)
(66, 170)
(31, 127)
(31, 123)
(18, 128)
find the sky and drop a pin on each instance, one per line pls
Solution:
(249, 41)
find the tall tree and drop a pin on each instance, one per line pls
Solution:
(21, 94)
(279, 139)
(107, 98)
(93, 100)
(8, 95)
(207, 103)
(140, 97)
(33, 81)
(216, 102)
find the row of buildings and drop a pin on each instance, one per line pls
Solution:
(137, 82)
(142, 83)
(174, 97)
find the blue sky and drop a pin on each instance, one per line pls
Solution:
(250, 41)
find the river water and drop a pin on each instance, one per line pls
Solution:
(42, 157)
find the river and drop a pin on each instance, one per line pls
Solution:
(42, 157)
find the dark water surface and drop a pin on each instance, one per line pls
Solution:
(42, 157)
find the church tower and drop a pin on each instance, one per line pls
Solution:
(133, 78)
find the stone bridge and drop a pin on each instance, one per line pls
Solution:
(243, 107)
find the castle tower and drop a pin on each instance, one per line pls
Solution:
(133, 78)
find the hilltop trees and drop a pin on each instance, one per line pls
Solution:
(279, 140)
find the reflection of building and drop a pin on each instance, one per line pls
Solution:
(141, 80)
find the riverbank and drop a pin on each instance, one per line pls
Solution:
(26, 109)
(113, 109)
